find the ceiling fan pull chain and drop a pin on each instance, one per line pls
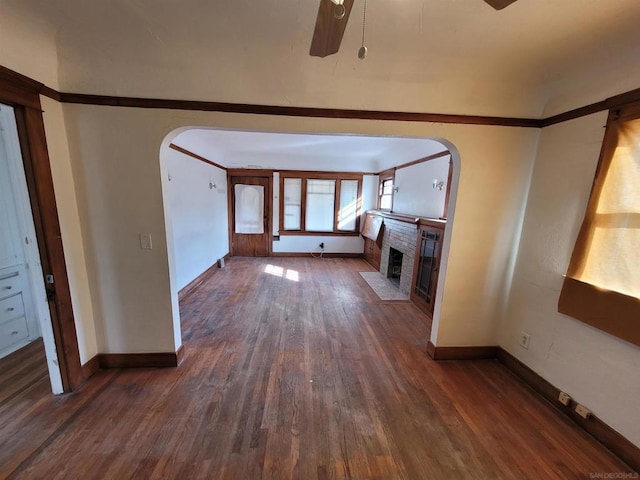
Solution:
(362, 53)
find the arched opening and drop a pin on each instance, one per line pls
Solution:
(199, 165)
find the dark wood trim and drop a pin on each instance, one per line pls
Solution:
(321, 174)
(462, 353)
(602, 432)
(19, 90)
(180, 354)
(432, 222)
(400, 217)
(195, 155)
(196, 282)
(85, 99)
(423, 159)
(250, 172)
(395, 216)
(22, 94)
(447, 197)
(324, 255)
(389, 174)
(90, 367)
(139, 360)
(304, 176)
(51, 93)
(610, 103)
(293, 233)
(254, 109)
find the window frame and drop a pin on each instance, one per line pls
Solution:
(384, 177)
(613, 312)
(305, 175)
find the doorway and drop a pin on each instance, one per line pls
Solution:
(25, 320)
(250, 210)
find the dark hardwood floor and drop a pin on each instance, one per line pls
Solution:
(294, 369)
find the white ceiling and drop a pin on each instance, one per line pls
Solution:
(304, 152)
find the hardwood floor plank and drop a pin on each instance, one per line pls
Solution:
(293, 368)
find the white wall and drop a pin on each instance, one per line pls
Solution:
(199, 215)
(310, 243)
(597, 369)
(416, 195)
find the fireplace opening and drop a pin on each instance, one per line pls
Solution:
(395, 266)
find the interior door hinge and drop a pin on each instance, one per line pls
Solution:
(49, 279)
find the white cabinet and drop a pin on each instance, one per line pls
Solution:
(18, 320)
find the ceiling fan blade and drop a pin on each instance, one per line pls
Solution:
(499, 4)
(329, 30)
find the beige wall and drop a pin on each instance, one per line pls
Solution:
(72, 240)
(597, 369)
(27, 46)
(115, 155)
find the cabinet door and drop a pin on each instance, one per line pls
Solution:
(427, 266)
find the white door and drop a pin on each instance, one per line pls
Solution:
(24, 310)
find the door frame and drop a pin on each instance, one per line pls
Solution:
(23, 94)
(248, 172)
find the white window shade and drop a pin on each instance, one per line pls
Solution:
(320, 205)
(249, 209)
(292, 203)
(348, 205)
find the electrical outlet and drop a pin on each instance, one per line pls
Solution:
(583, 411)
(525, 338)
(564, 399)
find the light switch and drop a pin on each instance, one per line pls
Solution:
(145, 241)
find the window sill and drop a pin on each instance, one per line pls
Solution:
(284, 233)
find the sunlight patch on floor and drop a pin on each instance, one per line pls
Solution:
(280, 272)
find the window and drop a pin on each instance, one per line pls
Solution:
(320, 206)
(602, 286)
(292, 200)
(326, 203)
(348, 211)
(385, 192)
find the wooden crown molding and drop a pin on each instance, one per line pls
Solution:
(196, 156)
(390, 172)
(87, 99)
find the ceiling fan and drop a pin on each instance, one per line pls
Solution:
(332, 20)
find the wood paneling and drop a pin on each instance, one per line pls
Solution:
(310, 379)
(195, 155)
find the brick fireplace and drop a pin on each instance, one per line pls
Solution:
(400, 236)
